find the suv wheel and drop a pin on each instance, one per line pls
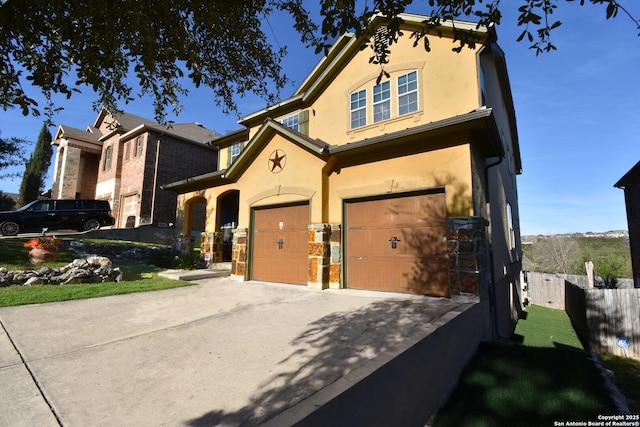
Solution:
(9, 228)
(91, 224)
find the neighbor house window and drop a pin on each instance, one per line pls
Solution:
(292, 122)
(382, 101)
(358, 109)
(107, 158)
(408, 93)
(138, 151)
(127, 148)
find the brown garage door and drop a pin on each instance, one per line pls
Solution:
(398, 244)
(280, 244)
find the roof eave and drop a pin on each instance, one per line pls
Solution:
(634, 172)
(199, 182)
(480, 124)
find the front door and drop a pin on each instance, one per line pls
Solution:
(280, 244)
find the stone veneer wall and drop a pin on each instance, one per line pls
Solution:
(211, 247)
(324, 256)
(239, 253)
(318, 270)
(466, 238)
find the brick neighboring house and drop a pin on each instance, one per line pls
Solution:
(630, 183)
(125, 159)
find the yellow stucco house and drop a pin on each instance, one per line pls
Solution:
(407, 184)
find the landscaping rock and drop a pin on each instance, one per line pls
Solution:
(95, 269)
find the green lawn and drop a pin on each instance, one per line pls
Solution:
(138, 277)
(541, 377)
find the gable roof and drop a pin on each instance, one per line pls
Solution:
(125, 121)
(342, 51)
(129, 125)
(187, 132)
(65, 131)
(479, 125)
(633, 176)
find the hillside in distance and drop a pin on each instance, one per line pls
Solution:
(567, 253)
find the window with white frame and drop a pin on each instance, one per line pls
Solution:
(292, 122)
(408, 93)
(382, 101)
(234, 151)
(358, 109)
(107, 158)
(138, 150)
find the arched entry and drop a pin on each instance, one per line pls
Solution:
(227, 220)
(195, 218)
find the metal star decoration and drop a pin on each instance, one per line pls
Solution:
(278, 160)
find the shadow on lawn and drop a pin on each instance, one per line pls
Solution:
(509, 384)
(330, 348)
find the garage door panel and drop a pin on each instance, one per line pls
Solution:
(280, 244)
(398, 244)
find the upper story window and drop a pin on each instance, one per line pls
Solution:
(382, 101)
(234, 152)
(107, 158)
(298, 122)
(292, 122)
(127, 148)
(408, 93)
(138, 149)
(358, 109)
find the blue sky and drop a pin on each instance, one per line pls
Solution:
(577, 109)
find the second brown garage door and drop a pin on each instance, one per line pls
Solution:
(280, 244)
(398, 244)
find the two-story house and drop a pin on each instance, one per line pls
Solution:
(125, 159)
(403, 184)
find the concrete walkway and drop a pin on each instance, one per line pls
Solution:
(217, 353)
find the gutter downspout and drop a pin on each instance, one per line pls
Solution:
(492, 284)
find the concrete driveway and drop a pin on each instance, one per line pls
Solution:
(216, 353)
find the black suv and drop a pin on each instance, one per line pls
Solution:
(57, 214)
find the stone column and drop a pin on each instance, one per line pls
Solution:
(324, 256)
(466, 238)
(239, 254)
(211, 248)
(318, 253)
(335, 252)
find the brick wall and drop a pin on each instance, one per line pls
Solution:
(89, 175)
(178, 160)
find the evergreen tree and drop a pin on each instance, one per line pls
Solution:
(36, 168)
(6, 202)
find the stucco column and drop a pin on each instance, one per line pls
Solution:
(69, 171)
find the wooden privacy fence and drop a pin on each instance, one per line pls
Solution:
(601, 316)
(546, 290)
